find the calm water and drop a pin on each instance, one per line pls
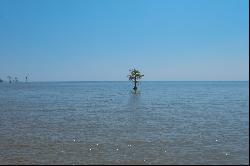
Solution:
(103, 123)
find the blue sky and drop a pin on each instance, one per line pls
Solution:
(56, 40)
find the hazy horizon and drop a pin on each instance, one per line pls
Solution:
(130, 81)
(95, 40)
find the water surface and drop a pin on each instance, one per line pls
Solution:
(103, 123)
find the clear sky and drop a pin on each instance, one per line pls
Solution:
(56, 40)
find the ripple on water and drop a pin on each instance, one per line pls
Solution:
(102, 123)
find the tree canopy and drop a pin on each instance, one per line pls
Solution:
(135, 75)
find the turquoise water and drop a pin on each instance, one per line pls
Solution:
(104, 123)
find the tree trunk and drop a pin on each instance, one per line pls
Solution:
(135, 87)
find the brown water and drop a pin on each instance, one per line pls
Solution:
(103, 123)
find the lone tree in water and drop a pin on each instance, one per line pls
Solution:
(135, 76)
(16, 79)
(9, 77)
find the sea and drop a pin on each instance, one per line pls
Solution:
(105, 122)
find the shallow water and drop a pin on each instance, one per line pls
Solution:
(103, 123)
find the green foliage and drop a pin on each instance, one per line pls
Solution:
(135, 75)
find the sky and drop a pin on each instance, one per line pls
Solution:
(100, 40)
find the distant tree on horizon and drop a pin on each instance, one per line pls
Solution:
(9, 77)
(135, 76)
(16, 79)
(1, 80)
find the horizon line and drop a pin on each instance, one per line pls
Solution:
(139, 81)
